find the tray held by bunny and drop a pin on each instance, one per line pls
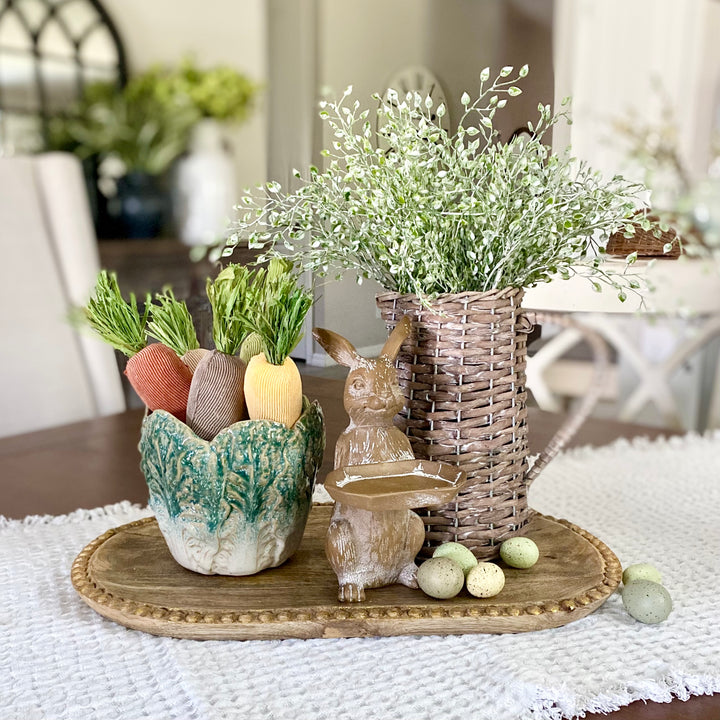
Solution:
(374, 535)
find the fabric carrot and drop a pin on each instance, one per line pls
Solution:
(273, 391)
(156, 373)
(160, 378)
(216, 398)
(273, 388)
(252, 346)
(192, 358)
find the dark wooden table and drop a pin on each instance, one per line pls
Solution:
(95, 463)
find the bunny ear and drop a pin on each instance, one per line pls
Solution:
(397, 337)
(337, 347)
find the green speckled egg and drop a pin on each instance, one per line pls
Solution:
(441, 578)
(641, 571)
(647, 601)
(485, 580)
(459, 553)
(519, 552)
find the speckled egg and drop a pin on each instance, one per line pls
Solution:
(441, 578)
(485, 580)
(641, 571)
(519, 552)
(647, 601)
(459, 553)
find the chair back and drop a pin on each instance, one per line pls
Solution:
(50, 374)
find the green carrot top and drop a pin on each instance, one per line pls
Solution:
(230, 297)
(171, 323)
(279, 306)
(116, 321)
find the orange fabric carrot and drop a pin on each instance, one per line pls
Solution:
(160, 378)
(157, 374)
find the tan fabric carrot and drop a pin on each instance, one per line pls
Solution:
(193, 357)
(216, 398)
(252, 346)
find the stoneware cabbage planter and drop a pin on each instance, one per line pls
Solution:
(239, 503)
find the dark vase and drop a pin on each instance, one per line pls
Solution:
(105, 225)
(140, 205)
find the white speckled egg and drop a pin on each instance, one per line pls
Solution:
(485, 580)
(459, 553)
(647, 601)
(641, 571)
(441, 578)
(519, 552)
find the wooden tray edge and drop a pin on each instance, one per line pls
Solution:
(347, 621)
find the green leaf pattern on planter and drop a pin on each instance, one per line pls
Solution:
(239, 503)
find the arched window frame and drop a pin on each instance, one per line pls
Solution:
(55, 12)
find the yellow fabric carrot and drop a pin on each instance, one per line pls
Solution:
(273, 389)
(273, 392)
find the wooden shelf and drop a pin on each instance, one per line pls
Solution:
(148, 265)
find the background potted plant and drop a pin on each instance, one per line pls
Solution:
(454, 226)
(136, 134)
(204, 185)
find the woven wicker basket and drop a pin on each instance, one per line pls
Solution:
(644, 243)
(463, 376)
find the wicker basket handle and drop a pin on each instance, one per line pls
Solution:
(576, 419)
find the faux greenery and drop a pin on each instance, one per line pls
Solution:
(424, 211)
(220, 92)
(171, 323)
(230, 298)
(143, 130)
(277, 312)
(118, 322)
(147, 123)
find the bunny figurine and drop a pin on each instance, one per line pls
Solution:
(368, 549)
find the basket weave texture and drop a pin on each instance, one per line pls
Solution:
(644, 243)
(462, 372)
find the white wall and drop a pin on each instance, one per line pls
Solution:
(364, 44)
(707, 88)
(610, 52)
(215, 31)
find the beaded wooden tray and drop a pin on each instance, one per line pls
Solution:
(128, 576)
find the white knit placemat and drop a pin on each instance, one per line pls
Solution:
(655, 502)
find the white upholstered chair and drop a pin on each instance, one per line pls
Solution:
(49, 373)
